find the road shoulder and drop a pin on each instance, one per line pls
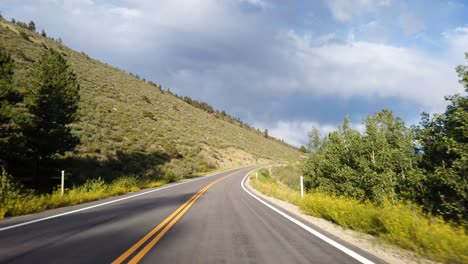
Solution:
(368, 243)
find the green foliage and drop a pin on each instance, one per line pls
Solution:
(11, 139)
(53, 104)
(16, 201)
(146, 99)
(92, 185)
(171, 149)
(264, 173)
(444, 142)
(288, 175)
(303, 149)
(24, 36)
(198, 104)
(6, 67)
(372, 166)
(402, 224)
(32, 26)
(386, 163)
(9, 192)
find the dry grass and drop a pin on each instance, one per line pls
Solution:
(401, 224)
(19, 202)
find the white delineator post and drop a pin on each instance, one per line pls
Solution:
(302, 187)
(256, 175)
(63, 180)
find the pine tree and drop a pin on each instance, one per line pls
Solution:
(53, 107)
(9, 130)
(32, 26)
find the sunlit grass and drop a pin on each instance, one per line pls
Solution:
(16, 202)
(401, 224)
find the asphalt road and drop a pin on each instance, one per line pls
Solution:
(177, 223)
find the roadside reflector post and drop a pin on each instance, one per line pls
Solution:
(256, 175)
(302, 187)
(63, 181)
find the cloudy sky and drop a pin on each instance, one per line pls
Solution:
(283, 65)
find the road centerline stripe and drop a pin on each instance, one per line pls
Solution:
(175, 216)
(155, 240)
(132, 249)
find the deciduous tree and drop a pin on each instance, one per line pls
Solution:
(444, 142)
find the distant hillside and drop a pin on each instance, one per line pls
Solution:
(128, 125)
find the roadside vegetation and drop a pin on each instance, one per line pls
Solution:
(62, 110)
(397, 222)
(406, 185)
(16, 200)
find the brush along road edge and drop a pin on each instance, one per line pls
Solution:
(335, 244)
(109, 202)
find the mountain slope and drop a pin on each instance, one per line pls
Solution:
(127, 125)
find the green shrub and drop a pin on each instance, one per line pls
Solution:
(288, 175)
(169, 175)
(146, 99)
(16, 202)
(402, 224)
(9, 193)
(265, 173)
(92, 185)
(24, 36)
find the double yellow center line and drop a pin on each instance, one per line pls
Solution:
(171, 219)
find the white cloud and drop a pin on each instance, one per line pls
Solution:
(457, 40)
(257, 3)
(220, 51)
(371, 70)
(225, 43)
(126, 12)
(410, 23)
(295, 132)
(344, 10)
(354, 68)
(374, 31)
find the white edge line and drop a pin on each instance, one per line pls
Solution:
(109, 202)
(308, 229)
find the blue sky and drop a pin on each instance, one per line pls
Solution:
(287, 66)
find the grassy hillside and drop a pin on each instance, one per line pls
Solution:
(128, 126)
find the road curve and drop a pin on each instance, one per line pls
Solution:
(207, 220)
